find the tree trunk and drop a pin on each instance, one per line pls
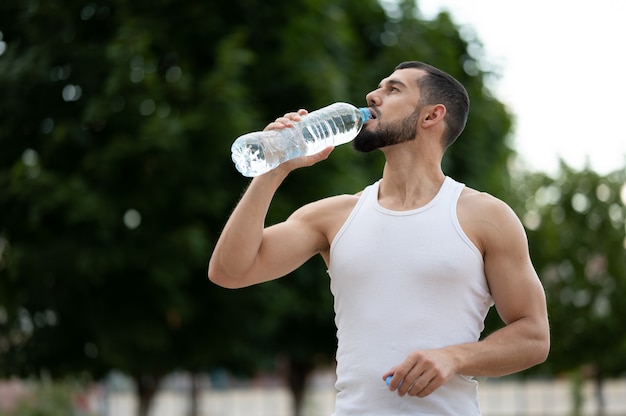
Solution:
(147, 386)
(599, 384)
(576, 385)
(298, 372)
(194, 393)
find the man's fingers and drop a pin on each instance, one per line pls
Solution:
(418, 386)
(287, 120)
(412, 382)
(425, 384)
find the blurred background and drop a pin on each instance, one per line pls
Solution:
(116, 120)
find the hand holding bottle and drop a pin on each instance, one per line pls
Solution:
(290, 120)
(297, 134)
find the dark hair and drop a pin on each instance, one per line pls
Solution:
(438, 87)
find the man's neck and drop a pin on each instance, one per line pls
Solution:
(404, 189)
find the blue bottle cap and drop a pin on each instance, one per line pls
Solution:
(388, 380)
(366, 114)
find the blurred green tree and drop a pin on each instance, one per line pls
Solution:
(116, 120)
(577, 235)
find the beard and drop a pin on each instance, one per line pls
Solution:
(387, 134)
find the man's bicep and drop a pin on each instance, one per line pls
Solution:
(513, 281)
(517, 293)
(286, 246)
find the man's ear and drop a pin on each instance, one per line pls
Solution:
(434, 115)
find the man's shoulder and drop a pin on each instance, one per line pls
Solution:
(482, 207)
(325, 208)
(482, 200)
(334, 204)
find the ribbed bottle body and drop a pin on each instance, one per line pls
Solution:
(259, 152)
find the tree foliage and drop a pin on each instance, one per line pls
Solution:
(116, 120)
(578, 237)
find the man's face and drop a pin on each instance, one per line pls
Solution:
(395, 109)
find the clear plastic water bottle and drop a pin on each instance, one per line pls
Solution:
(259, 152)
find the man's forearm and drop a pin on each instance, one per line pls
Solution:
(515, 347)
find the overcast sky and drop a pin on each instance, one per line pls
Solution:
(563, 67)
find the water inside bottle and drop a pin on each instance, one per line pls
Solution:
(260, 152)
(250, 157)
(321, 132)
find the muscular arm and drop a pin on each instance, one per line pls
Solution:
(248, 253)
(519, 298)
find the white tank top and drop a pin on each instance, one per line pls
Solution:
(404, 281)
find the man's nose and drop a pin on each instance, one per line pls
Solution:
(373, 98)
